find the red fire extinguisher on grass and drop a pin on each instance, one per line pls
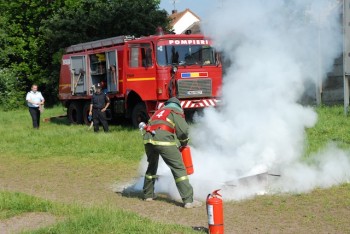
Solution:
(187, 159)
(215, 213)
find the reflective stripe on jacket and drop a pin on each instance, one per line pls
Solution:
(172, 118)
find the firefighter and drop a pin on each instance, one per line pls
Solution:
(98, 107)
(159, 139)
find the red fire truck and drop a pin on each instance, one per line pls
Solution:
(140, 74)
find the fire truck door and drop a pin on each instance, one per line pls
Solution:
(112, 74)
(78, 74)
(141, 73)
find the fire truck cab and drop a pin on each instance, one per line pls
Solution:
(139, 75)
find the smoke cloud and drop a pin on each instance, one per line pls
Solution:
(276, 48)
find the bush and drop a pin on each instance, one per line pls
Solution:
(12, 95)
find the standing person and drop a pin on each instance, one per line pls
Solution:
(98, 107)
(35, 100)
(159, 139)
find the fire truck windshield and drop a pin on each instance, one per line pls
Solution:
(185, 55)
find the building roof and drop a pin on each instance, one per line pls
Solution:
(195, 28)
(175, 17)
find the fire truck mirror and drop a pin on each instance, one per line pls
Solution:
(217, 58)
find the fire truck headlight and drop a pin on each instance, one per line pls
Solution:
(174, 69)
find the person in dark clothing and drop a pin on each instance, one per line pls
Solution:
(98, 107)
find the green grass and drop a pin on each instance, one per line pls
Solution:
(320, 211)
(332, 126)
(77, 219)
(12, 204)
(122, 148)
(59, 139)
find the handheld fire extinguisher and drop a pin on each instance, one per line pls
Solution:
(215, 213)
(187, 159)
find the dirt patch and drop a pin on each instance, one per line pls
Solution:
(27, 222)
(322, 211)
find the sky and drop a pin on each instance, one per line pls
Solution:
(199, 7)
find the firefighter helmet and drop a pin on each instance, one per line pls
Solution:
(98, 86)
(173, 100)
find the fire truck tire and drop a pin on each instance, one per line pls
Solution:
(139, 114)
(75, 113)
(86, 110)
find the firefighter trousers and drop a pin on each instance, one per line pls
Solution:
(172, 157)
(97, 117)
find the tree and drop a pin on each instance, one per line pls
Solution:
(34, 33)
(20, 41)
(89, 20)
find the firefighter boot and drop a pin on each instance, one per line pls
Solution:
(151, 198)
(193, 204)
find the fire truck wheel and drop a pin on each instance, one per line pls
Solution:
(86, 110)
(139, 114)
(75, 113)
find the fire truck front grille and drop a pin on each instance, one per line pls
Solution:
(194, 88)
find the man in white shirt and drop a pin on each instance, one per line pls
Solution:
(35, 100)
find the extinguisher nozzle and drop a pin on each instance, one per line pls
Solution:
(142, 126)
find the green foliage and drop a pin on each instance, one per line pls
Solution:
(22, 42)
(88, 20)
(12, 95)
(33, 33)
(22, 19)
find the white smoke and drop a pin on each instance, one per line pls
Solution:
(329, 167)
(275, 47)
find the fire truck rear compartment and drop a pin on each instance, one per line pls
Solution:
(103, 67)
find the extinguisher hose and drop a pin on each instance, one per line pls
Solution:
(206, 204)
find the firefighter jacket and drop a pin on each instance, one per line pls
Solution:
(165, 125)
(99, 100)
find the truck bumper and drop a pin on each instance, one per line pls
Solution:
(195, 103)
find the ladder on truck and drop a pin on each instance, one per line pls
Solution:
(98, 44)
